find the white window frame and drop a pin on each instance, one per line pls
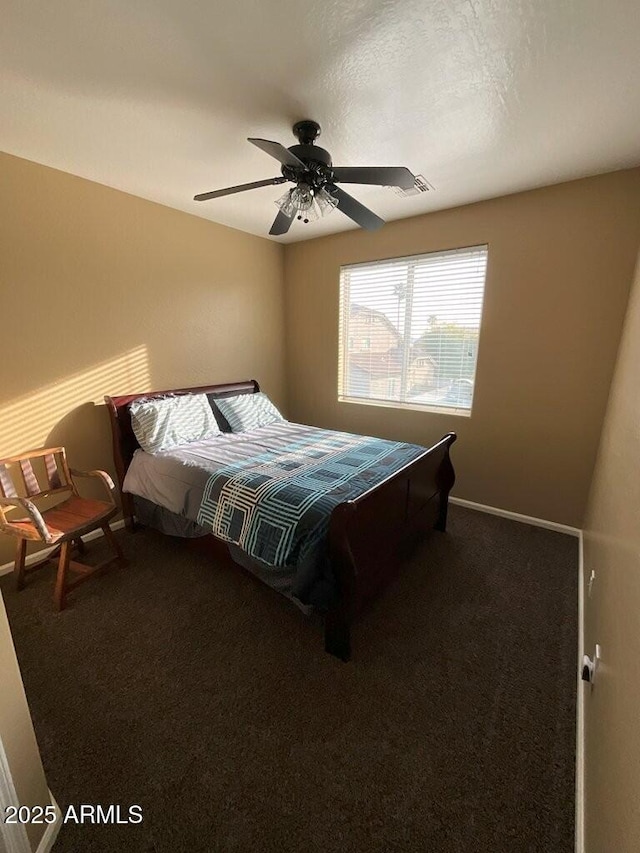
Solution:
(344, 332)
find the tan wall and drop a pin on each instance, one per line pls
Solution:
(612, 613)
(104, 293)
(16, 733)
(560, 265)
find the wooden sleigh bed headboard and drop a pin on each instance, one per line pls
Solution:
(125, 443)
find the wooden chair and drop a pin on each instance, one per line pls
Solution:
(35, 477)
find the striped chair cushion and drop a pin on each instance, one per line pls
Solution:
(171, 421)
(248, 411)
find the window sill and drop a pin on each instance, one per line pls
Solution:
(412, 407)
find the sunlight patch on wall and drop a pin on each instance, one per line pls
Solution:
(26, 421)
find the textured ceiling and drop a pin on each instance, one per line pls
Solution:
(483, 97)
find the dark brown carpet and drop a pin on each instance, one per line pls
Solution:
(194, 691)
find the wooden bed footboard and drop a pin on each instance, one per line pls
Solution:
(369, 535)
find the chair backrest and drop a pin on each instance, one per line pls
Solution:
(19, 476)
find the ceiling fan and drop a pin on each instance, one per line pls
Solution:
(315, 193)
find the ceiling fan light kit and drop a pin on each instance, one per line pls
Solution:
(316, 192)
(306, 203)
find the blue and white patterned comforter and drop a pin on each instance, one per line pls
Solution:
(276, 504)
(270, 493)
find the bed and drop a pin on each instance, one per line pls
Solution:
(354, 530)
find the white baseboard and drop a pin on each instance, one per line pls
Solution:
(516, 516)
(39, 555)
(51, 832)
(580, 708)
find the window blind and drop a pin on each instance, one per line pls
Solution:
(409, 330)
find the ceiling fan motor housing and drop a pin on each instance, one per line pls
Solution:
(317, 171)
(311, 152)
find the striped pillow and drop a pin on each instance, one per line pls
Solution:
(171, 421)
(248, 411)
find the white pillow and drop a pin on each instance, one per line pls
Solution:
(248, 411)
(171, 421)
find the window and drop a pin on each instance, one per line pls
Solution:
(420, 317)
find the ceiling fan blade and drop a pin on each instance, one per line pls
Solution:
(281, 224)
(239, 189)
(384, 176)
(354, 210)
(279, 152)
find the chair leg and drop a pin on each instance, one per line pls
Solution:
(111, 539)
(80, 545)
(19, 569)
(59, 595)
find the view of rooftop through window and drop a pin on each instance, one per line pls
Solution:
(409, 329)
